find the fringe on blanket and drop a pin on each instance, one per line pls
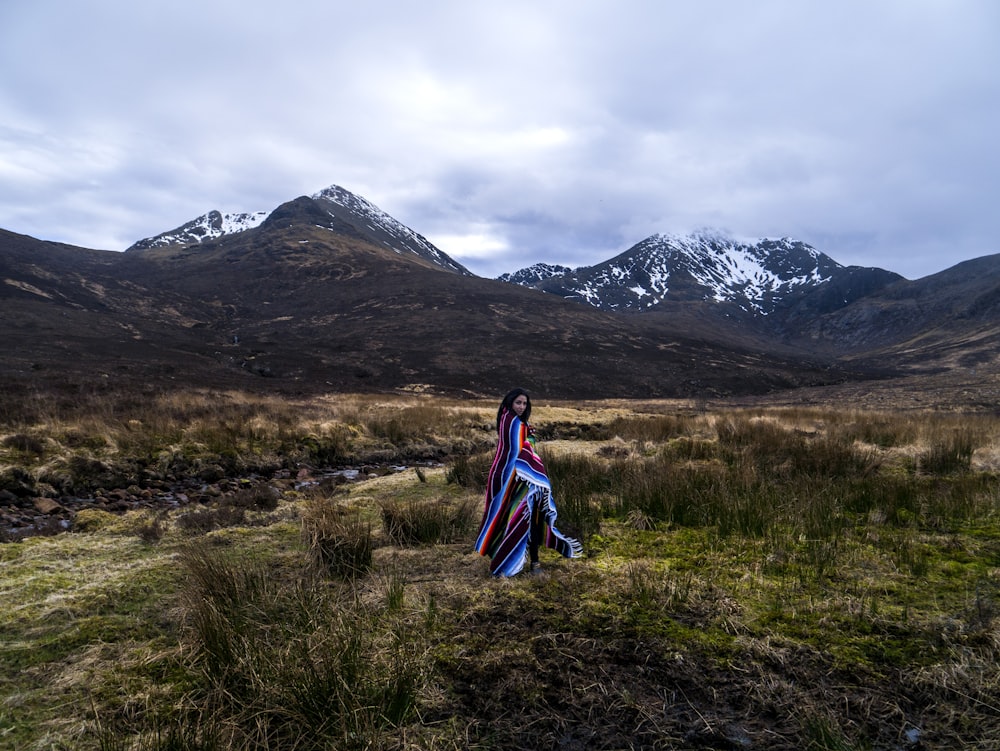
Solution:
(512, 556)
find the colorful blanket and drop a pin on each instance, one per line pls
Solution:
(517, 482)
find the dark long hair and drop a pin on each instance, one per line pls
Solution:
(508, 404)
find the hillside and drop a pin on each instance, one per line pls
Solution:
(946, 320)
(330, 293)
(294, 306)
(786, 291)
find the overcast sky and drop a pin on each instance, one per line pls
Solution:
(514, 131)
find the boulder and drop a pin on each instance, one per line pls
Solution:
(48, 506)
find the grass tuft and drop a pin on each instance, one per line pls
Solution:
(428, 522)
(289, 662)
(339, 541)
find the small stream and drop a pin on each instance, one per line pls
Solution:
(31, 517)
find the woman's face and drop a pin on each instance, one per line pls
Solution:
(520, 404)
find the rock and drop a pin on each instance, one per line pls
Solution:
(212, 473)
(48, 506)
(17, 481)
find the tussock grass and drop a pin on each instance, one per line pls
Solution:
(340, 541)
(286, 661)
(409, 522)
(949, 453)
(754, 578)
(471, 471)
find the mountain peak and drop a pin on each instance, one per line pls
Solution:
(535, 273)
(703, 235)
(334, 208)
(706, 265)
(382, 228)
(206, 227)
(343, 197)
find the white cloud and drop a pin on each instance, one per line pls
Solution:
(476, 246)
(515, 132)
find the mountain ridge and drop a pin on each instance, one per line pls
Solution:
(207, 227)
(340, 209)
(327, 293)
(299, 308)
(708, 266)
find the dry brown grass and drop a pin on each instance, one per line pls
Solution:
(795, 615)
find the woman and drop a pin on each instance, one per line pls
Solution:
(520, 514)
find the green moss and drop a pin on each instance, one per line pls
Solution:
(96, 520)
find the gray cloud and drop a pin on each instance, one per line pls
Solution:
(516, 132)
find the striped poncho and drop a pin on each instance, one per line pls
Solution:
(517, 482)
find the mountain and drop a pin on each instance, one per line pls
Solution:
(328, 293)
(311, 301)
(206, 227)
(943, 321)
(337, 209)
(757, 279)
(534, 274)
(381, 228)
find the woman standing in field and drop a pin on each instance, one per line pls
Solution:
(520, 514)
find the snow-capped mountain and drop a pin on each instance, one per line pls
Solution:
(335, 208)
(372, 221)
(206, 227)
(756, 278)
(330, 290)
(532, 275)
(705, 266)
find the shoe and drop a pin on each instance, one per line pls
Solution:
(535, 567)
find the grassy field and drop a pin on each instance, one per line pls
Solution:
(782, 578)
